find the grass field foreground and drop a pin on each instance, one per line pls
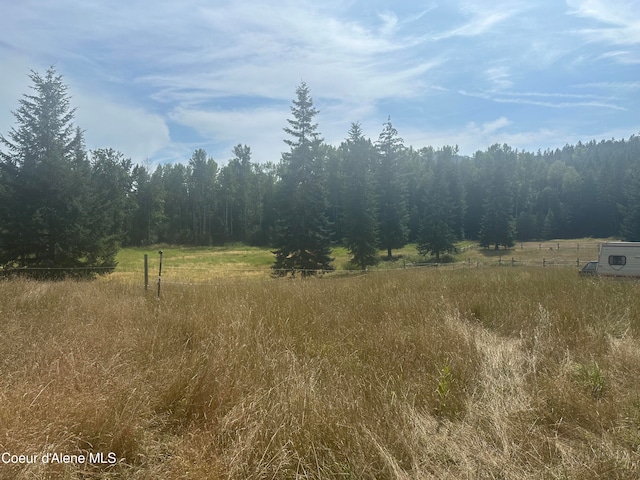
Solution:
(418, 373)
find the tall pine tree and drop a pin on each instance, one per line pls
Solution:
(202, 195)
(303, 237)
(443, 210)
(361, 225)
(52, 227)
(393, 215)
(239, 188)
(148, 217)
(111, 186)
(498, 222)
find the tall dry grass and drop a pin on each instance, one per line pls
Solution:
(477, 373)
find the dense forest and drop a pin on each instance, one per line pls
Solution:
(59, 202)
(590, 189)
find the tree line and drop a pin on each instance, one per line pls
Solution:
(64, 207)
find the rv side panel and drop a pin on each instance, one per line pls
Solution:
(619, 259)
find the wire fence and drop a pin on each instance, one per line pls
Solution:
(54, 273)
(548, 245)
(563, 245)
(179, 276)
(509, 262)
(214, 276)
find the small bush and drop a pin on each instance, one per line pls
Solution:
(591, 377)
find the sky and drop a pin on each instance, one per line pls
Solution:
(158, 79)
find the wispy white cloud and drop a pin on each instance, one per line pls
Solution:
(621, 17)
(106, 122)
(159, 78)
(527, 99)
(499, 77)
(622, 56)
(111, 124)
(389, 23)
(494, 126)
(13, 87)
(200, 57)
(484, 18)
(260, 128)
(547, 52)
(614, 12)
(473, 136)
(282, 47)
(613, 85)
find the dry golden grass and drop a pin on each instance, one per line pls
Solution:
(552, 253)
(421, 373)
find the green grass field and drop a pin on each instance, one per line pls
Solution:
(416, 373)
(212, 264)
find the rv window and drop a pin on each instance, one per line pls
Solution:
(617, 260)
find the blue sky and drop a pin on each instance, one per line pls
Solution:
(157, 79)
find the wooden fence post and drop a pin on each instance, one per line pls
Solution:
(159, 273)
(146, 271)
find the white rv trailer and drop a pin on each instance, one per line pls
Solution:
(619, 259)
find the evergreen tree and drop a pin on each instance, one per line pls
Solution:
(148, 217)
(111, 186)
(420, 167)
(335, 187)
(240, 195)
(528, 172)
(630, 228)
(442, 216)
(267, 210)
(435, 236)
(52, 222)
(202, 196)
(393, 215)
(303, 238)
(498, 224)
(361, 226)
(471, 175)
(177, 222)
(246, 191)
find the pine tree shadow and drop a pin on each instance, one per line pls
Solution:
(393, 258)
(491, 252)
